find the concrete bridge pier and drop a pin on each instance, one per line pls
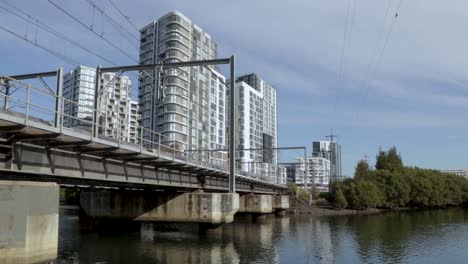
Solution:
(28, 221)
(257, 206)
(280, 204)
(159, 210)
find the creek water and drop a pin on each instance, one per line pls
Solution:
(431, 236)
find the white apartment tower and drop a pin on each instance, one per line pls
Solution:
(186, 105)
(257, 129)
(115, 104)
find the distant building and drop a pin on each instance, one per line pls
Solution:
(331, 151)
(318, 172)
(463, 173)
(291, 172)
(115, 104)
(282, 175)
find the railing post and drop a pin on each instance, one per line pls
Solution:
(7, 93)
(62, 113)
(28, 88)
(58, 94)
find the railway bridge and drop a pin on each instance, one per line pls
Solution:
(149, 180)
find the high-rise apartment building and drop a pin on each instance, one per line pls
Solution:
(186, 105)
(330, 150)
(318, 172)
(257, 129)
(115, 104)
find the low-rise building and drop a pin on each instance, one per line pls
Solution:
(318, 172)
(463, 173)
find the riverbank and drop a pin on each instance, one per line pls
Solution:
(323, 210)
(298, 207)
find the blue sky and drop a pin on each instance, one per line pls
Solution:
(414, 96)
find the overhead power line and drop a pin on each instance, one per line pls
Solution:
(50, 51)
(117, 26)
(92, 30)
(374, 64)
(123, 15)
(379, 58)
(343, 49)
(27, 17)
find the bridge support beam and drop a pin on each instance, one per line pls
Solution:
(28, 221)
(154, 206)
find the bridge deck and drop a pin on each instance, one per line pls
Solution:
(18, 128)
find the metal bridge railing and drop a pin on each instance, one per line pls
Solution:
(32, 103)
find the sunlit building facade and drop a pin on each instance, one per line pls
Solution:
(185, 105)
(115, 108)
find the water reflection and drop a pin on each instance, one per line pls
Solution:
(402, 237)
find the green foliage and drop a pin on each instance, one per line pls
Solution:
(324, 195)
(395, 188)
(349, 190)
(368, 194)
(392, 185)
(303, 195)
(363, 171)
(389, 160)
(339, 200)
(293, 188)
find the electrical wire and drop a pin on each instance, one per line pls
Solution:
(346, 36)
(123, 15)
(371, 69)
(118, 27)
(27, 17)
(52, 52)
(92, 30)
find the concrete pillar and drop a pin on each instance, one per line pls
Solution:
(256, 204)
(280, 204)
(196, 207)
(28, 221)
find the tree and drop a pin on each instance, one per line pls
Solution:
(395, 188)
(389, 160)
(368, 194)
(421, 187)
(349, 191)
(363, 171)
(339, 200)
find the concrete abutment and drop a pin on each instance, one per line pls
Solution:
(28, 221)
